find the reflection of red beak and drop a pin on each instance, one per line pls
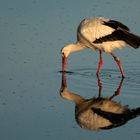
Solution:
(64, 81)
(64, 63)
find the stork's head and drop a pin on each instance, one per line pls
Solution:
(67, 50)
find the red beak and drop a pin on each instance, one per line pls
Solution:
(64, 63)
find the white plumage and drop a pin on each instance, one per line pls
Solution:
(93, 28)
(101, 34)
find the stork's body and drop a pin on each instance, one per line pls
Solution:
(104, 35)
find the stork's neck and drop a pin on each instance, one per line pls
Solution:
(76, 47)
(72, 97)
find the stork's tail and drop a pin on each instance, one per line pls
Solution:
(133, 113)
(132, 39)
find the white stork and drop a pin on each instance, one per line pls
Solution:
(104, 35)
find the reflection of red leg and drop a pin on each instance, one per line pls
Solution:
(100, 63)
(118, 63)
(100, 86)
(119, 88)
(117, 92)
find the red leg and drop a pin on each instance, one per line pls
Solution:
(119, 63)
(100, 63)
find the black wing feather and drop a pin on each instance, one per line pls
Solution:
(121, 33)
(116, 25)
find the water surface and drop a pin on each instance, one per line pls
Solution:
(32, 33)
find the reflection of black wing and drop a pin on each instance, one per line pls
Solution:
(117, 119)
(112, 117)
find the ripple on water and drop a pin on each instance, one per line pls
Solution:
(110, 78)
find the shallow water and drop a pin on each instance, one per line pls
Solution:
(32, 35)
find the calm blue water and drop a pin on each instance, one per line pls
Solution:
(32, 33)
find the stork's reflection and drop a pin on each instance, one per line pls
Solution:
(98, 112)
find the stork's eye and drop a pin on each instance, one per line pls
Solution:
(61, 90)
(63, 54)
